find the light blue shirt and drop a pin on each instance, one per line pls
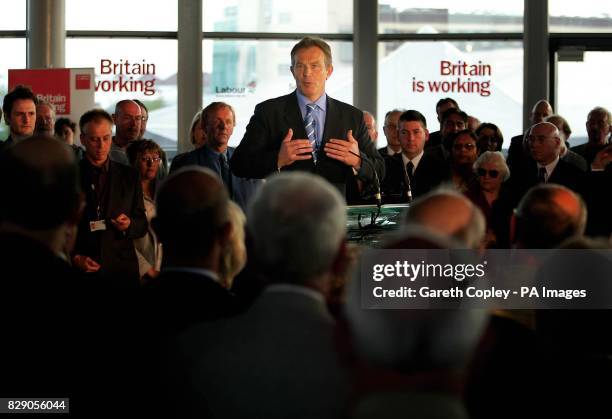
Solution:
(319, 112)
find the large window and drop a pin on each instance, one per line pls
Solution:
(244, 73)
(133, 69)
(312, 16)
(13, 15)
(481, 76)
(580, 16)
(576, 78)
(13, 56)
(448, 16)
(122, 15)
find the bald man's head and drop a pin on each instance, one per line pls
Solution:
(540, 110)
(450, 214)
(547, 215)
(192, 210)
(39, 184)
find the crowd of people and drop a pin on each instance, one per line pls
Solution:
(221, 284)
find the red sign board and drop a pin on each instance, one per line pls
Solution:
(52, 85)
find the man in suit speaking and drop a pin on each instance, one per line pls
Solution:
(307, 130)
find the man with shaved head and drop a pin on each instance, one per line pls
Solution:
(518, 155)
(544, 145)
(128, 121)
(450, 214)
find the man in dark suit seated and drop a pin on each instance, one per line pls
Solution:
(518, 155)
(217, 121)
(307, 130)
(390, 129)
(599, 129)
(544, 143)
(415, 171)
(277, 360)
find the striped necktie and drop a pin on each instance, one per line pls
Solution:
(310, 124)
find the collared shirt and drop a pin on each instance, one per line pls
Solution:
(318, 113)
(192, 270)
(392, 152)
(415, 161)
(296, 289)
(549, 167)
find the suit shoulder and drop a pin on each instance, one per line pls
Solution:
(275, 102)
(345, 107)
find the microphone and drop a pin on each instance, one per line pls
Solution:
(408, 186)
(377, 194)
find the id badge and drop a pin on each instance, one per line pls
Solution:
(98, 225)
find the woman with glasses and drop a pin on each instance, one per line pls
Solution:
(145, 157)
(490, 137)
(464, 152)
(494, 197)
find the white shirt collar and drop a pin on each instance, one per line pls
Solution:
(392, 152)
(414, 161)
(549, 167)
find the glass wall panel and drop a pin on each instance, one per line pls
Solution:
(447, 16)
(121, 15)
(581, 86)
(13, 15)
(485, 78)
(570, 16)
(313, 16)
(134, 69)
(13, 56)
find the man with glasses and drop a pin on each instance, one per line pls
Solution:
(390, 130)
(128, 121)
(544, 145)
(114, 211)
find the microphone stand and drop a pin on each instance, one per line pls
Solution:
(377, 195)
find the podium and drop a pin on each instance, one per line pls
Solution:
(367, 225)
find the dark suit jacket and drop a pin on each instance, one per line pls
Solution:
(178, 300)
(277, 360)
(576, 159)
(257, 154)
(241, 189)
(587, 151)
(114, 250)
(435, 139)
(430, 173)
(564, 174)
(38, 315)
